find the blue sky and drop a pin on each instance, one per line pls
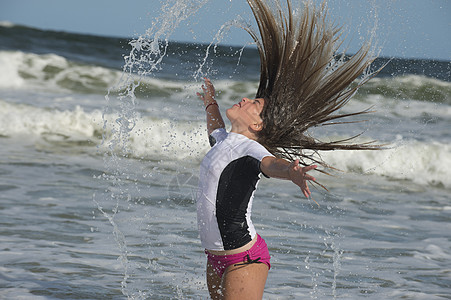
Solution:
(405, 28)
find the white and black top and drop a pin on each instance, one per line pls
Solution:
(229, 174)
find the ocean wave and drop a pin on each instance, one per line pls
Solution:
(18, 120)
(55, 73)
(421, 162)
(21, 70)
(160, 138)
(151, 137)
(409, 87)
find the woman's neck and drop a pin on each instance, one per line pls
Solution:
(243, 131)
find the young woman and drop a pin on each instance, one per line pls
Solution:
(301, 85)
(238, 258)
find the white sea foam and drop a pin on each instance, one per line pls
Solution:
(388, 107)
(21, 119)
(52, 72)
(7, 24)
(410, 81)
(421, 162)
(163, 138)
(9, 73)
(151, 137)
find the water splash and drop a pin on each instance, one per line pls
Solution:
(145, 57)
(332, 243)
(219, 36)
(321, 264)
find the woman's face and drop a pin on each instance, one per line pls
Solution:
(246, 112)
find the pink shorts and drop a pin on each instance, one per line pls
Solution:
(257, 254)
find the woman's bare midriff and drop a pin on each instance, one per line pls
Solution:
(235, 251)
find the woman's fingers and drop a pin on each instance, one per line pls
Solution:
(308, 177)
(303, 176)
(309, 168)
(208, 88)
(306, 191)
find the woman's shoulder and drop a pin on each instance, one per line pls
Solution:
(217, 135)
(255, 149)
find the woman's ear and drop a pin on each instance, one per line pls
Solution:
(256, 126)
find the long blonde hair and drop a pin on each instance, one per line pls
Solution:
(302, 79)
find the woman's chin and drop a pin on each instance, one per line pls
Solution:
(229, 113)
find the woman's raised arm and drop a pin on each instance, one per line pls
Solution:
(214, 118)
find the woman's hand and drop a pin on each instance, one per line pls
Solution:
(214, 118)
(298, 175)
(209, 92)
(281, 168)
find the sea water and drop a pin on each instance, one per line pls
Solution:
(98, 178)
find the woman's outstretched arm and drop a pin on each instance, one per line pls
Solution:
(280, 168)
(214, 118)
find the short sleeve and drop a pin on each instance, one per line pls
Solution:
(217, 135)
(259, 152)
